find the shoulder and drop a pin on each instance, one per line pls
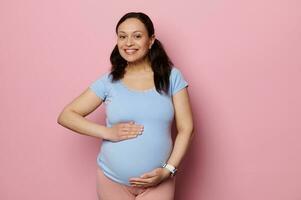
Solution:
(177, 80)
(175, 74)
(104, 78)
(174, 71)
(101, 85)
(101, 81)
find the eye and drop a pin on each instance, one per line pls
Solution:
(138, 36)
(121, 36)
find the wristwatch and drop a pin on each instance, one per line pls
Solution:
(170, 168)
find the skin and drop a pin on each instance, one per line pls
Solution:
(132, 34)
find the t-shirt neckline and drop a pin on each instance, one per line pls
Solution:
(134, 90)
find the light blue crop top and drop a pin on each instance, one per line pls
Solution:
(133, 157)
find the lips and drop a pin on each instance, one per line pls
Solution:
(130, 51)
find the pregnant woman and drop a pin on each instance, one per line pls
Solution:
(143, 92)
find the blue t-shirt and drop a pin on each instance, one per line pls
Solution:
(133, 157)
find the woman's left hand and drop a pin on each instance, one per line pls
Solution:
(152, 178)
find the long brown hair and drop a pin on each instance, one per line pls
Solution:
(160, 62)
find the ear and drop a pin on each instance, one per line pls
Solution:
(153, 38)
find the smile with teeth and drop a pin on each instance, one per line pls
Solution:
(130, 51)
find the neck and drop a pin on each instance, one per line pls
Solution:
(139, 66)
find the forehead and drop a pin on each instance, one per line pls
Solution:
(131, 25)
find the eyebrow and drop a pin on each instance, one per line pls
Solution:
(125, 32)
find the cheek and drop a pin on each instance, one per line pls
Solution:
(120, 43)
(144, 45)
(119, 46)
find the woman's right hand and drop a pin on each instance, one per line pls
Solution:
(123, 131)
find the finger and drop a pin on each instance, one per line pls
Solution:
(130, 134)
(136, 128)
(141, 127)
(140, 130)
(129, 130)
(139, 184)
(126, 124)
(130, 123)
(125, 137)
(142, 180)
(134, 125)
(126, 131)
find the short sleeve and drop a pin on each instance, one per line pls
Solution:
(178, 82)
(100, 86)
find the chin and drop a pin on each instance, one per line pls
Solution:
(133, 60)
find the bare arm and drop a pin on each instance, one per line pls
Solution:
(184, 123)
(73, 115)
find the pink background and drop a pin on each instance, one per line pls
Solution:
(239, 57)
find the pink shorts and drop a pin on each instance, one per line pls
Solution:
(108, 189)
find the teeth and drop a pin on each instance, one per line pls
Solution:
(130, 50)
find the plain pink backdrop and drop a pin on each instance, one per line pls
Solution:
(239, 57)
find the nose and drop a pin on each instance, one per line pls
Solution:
(129, 41)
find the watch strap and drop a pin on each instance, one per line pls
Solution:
(170, 168)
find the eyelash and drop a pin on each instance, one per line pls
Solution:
(137, 36)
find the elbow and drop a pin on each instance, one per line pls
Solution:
(191, 131)
(191, 134)
(61, 117)
(187, 130)
(59, 120)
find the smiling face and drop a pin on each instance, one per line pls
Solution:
(133, 41)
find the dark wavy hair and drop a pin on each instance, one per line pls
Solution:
(160, 62)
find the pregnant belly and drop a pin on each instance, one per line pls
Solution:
(133, 157)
